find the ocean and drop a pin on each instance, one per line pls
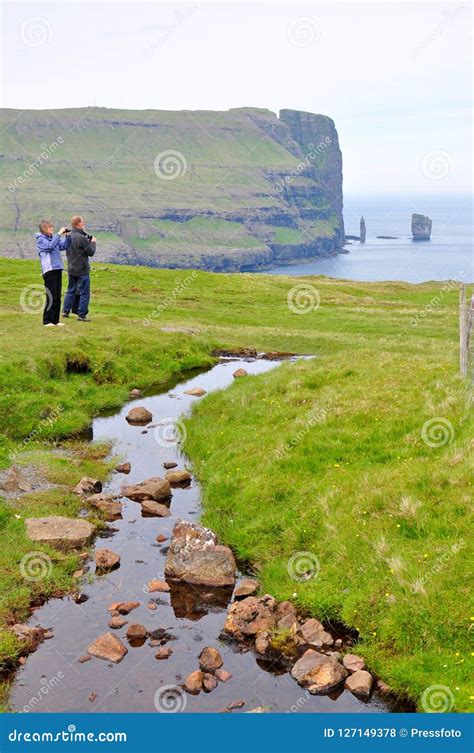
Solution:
(447, 256)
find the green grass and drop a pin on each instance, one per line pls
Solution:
(323, 456)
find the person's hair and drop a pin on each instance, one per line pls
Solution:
(44, 225)
(76, 220)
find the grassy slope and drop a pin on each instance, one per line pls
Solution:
(359, 488)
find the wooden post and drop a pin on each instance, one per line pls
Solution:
(464, 317)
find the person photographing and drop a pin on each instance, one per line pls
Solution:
(49, 245)
(82, 246)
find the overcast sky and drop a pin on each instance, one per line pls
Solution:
(395, 77)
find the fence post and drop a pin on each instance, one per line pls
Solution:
(464, 326)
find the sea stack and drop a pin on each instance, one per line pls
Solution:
(420, 227)
(362, 230)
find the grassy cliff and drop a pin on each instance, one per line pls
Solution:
(211, 190)
(357, 460)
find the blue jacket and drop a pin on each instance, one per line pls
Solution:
(49, 250)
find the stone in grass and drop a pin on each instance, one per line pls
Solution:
(15, 480)
(57, 531)
(210, 659)
(319, 673)
(107, 504)
(135, 392)
(88, 485)
(105, 559)
(139, 415)
(239, 373)
(313, 633)
(108, 647)
(353, 663)
(360, 683)
(193, 682)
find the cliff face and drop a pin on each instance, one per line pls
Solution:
(235, 190)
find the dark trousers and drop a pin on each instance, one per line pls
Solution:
(52, 307)
(77, 286)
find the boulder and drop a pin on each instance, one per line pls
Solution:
(239, 373)
(108, 647)
(313, 633)
(193, 683)
(139, 415)
(353, 663)
(319, 673)
(210, 659)
(287, 617)
(15, 480)
(136, 631)
(123, 607)
(135, 392)
(106, 503)
(106, 559)
(31, 636)
(209, 682)
(163, 653)
(155, 488)
(161, 538)
(194, 556)
(359, 683)
(177, 478)
(62, 533)
(246, 587)
(117, 622)
(123, 468)
(158, 585)
(263, 642)
(169, 464)
(420, 227)
(195, 392)
(250, 616)
(150, 508)
(88, 485)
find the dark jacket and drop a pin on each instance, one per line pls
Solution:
(78, 253)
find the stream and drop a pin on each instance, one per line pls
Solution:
(52, 679)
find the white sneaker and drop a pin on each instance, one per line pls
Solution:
(59, 324)
(49, 325)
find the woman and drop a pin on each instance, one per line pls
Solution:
(50, 245)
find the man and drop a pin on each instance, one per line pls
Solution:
(50, 245)
(81, 248)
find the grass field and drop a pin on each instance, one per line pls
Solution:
(345, 480)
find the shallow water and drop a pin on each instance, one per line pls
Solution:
(53, 680)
